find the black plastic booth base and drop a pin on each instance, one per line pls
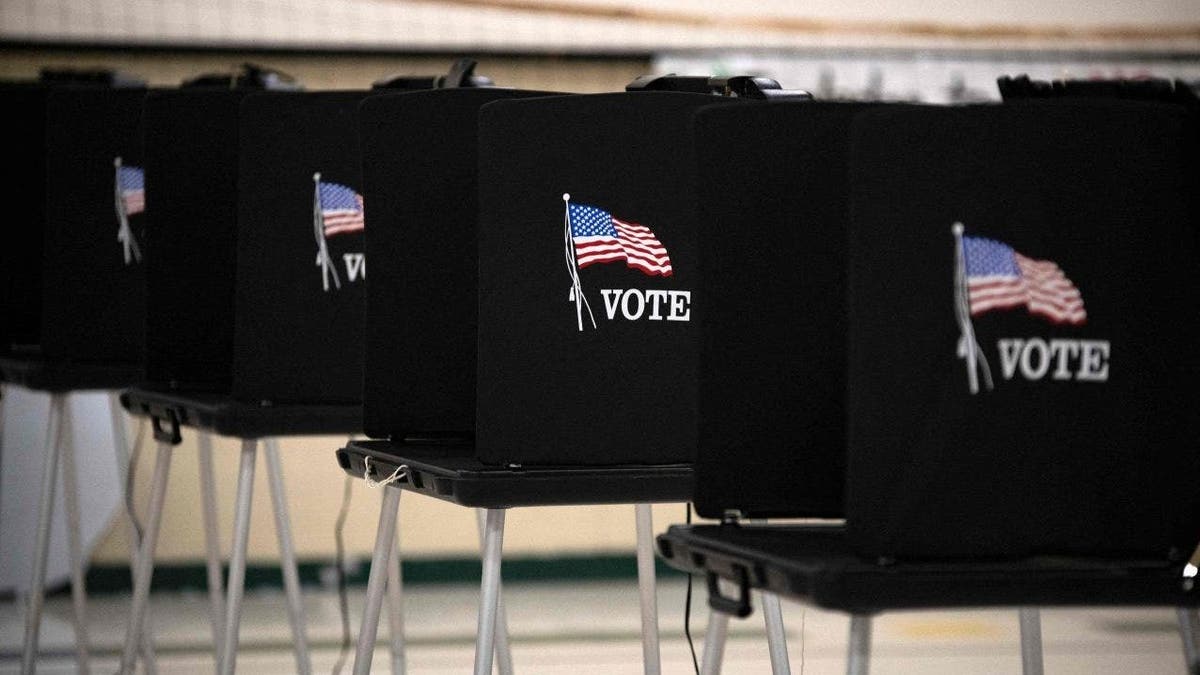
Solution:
(225, 416)
(814, 564)
(59, 376)
(452, 473)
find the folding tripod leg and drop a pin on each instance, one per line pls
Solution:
(287, 558)
(651, 661)
(145, 559)
(385, 542)
(714, 643)
(70, 486)
(212, 545)
(858, 661)
(41, 551)
(503, 651)
(485, 632)
(776, 637)
(237, 557)
(1031, 641)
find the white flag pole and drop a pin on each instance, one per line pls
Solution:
(966, 341)
(968, 347)
(123, 232)
(319, 233)
(576, 292)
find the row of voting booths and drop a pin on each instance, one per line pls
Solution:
(957, 338)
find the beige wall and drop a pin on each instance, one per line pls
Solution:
(314, 483)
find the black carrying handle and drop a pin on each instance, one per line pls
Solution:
(739, 606)
(738, 86)
(461, 75)
(246, 76)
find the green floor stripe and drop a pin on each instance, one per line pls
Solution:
(107, 578)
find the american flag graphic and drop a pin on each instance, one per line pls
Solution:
(341, 208)
(131, 182)
(601, 238)
(1000, 278)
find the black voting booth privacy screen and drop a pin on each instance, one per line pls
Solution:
(772, 211)
(94, 292)
(301, 269)
(421, 175)
(1077, 294)
(24, 191)
(554, 387)
(191, 149)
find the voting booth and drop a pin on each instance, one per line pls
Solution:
(1002, 459)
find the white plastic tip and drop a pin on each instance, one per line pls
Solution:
(957, 228)
(1189, 571)
(116, 161)
(566, 196)
(317, 176)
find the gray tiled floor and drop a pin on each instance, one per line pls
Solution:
(592, 628)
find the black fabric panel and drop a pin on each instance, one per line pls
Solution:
(24, 190)
(94, 302)
(294, 341)
(1036, 465)
(772, 213)
(191, 229)
(421, 179)
(624, 391)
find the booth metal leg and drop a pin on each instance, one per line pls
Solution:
(1031, 641)
(1188, 626)
(212, 541)
(287, 558)
(714, 643)
(41, 551)
(646, 586)
(121, 446)
(489, 597)
(395, 603)
(385, 542)
(858, 660)
(237, 557)
(145, 559)
(70, 487)
(776, 637)
(503, 651)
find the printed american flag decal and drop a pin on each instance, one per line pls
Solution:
(999, 278)
(341, 208)
(601, 238)
(131, 183)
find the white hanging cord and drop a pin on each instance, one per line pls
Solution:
(399, 474)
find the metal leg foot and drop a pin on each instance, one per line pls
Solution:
(385, 542)
(489, 596)
(1031, 641)
(41, 551)
(287, 558)
(237, 558)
